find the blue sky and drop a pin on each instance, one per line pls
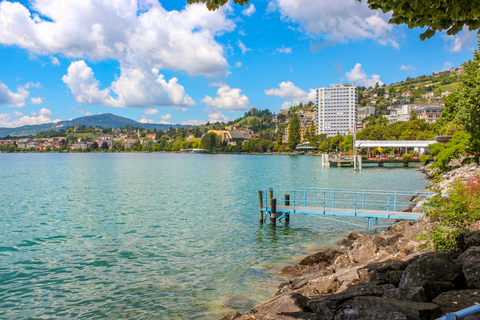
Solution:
(170, 62)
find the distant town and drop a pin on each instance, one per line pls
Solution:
(407, 110)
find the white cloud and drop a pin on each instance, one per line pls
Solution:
(243, 47)
(145, 120)
(55, 61)
(407, 67)
(286, 90)
(135, 32)
(459, 41)
(45, 112)
(228, 99)
(8, 120)
(284, 50)
(248, 11)
(38, 100)
(310, 96)
(337, 20)
(194, 122)
(151, 111)
(218, 117)
(238, 64)
(134, 88)
(14, 99)
(166, 117)
(359, 76)
(446, 66)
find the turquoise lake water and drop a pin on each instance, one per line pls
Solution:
(156, 235)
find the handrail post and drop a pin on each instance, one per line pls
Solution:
(323, 202)
(355, 204)
(305, 197)
(333, 198)
(395, 202)
(294, 203)
(363, 199)
(388, 206)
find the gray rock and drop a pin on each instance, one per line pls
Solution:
(323, 257)
(470, 260)
(386, 308)
(326, 306)
(453, 301)
(409, 293)
(231, 316)
(386, 272)
(436, 272)
(467, 240)
(354, 235)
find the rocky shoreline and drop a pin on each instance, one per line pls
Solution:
(381, 276)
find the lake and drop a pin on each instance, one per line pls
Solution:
(157, 235)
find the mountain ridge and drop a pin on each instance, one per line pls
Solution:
(104, 120)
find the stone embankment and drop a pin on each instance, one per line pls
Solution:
(382, 276)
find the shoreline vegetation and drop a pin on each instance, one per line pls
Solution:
(400, 271)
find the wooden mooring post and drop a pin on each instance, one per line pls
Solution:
(260, 206)
(273, 213)
(270, 193)
(287, 203)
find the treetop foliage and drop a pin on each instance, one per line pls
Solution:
(437, 15)
(215, 4)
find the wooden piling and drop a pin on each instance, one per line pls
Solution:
(260, 205)
(273, 213)
(270, 193)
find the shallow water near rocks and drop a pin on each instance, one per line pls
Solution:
(156, 235)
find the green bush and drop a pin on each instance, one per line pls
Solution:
(452, 214)
(406, 157)
(425, 157)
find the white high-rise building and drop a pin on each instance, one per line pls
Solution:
(337, 109)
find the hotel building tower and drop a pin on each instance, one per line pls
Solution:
(337, 109)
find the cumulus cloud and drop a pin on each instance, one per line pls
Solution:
(166, 117)
(243, 47)
(238, 64)
(194, 122)
(55, 61)
(228, 99)
(459, 41)
(284, 50)
(295, 95)
(45, 112)
(359, 76)
(337, 20)
(18, 119)
(134, 88)
(14, 99)
(151, 111)
(248, 11)
(38, 100)
(286, 90)
(407, 67)
(218, 117)
(131, 31)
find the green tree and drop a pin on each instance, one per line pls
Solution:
(469, 95)
(279, 142)
(211, 140)
(294, 132)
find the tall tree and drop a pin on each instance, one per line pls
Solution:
(469, 95)
(279, 142)
(294, 132)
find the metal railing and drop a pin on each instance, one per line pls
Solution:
(462, 313)
(388, 201)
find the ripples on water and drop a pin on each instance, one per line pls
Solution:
(166, 236)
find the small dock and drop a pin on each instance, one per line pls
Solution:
(344, 203)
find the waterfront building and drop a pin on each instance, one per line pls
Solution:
(337, 109)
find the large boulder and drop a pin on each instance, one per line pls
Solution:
(363, 253)
(452, 301)
(322, 257)
(389, 271)
(385, 308)
(409, 293)
(470, 260)
(436, 272)
(467, 240)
